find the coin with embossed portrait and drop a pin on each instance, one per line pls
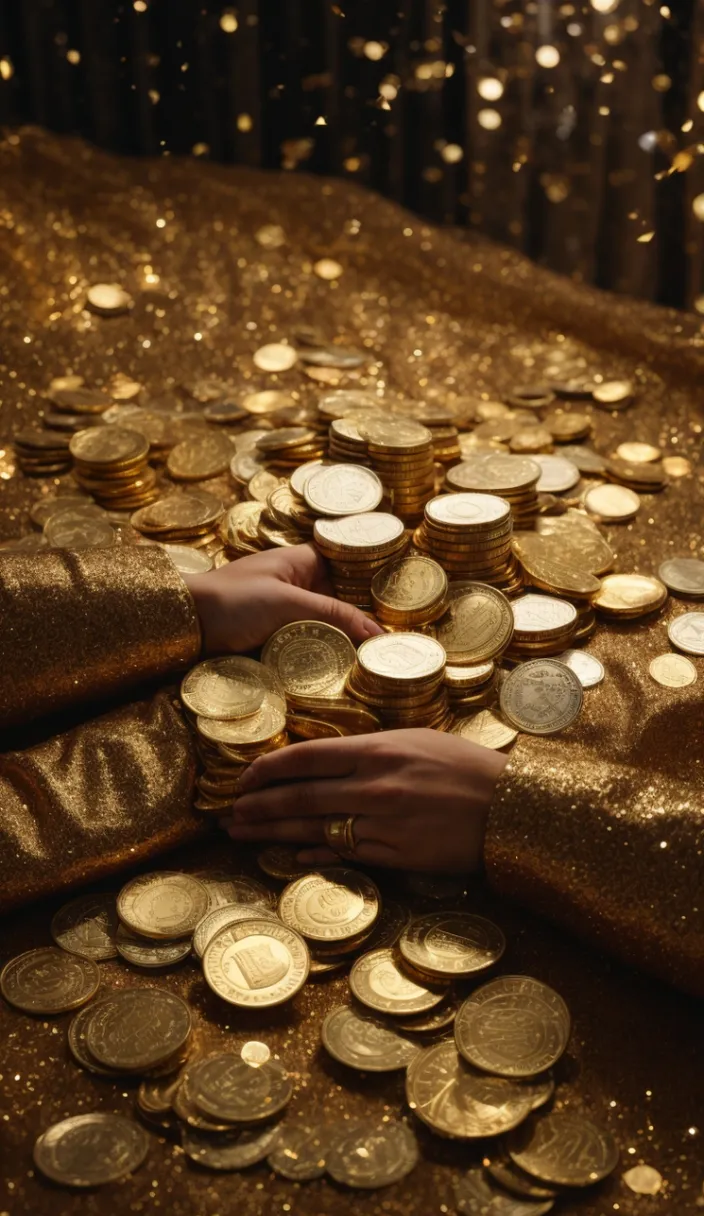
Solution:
(541, 697)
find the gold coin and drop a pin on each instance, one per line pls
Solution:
(310, 657)
(562, 577)
(166, 904)
(395, 434)
(376, 979)
(154, 1095)
(461, 511)
(280, 861)
(684, 576)
(673, 671)
(301, 475)
(225, 688)
(557, 474)
(361, 1041)
(270, 401)
(142, 952)
(245, 465)
(108, 445)
(408, 586)
(676, 466)
(48, 980)
(403, 658)
(343, 489)
(108, 299)
(638, 453)
(439, 1018)
(138, 1029)
(184, 510)
(457, 1100)
(222, 916)
(451, 944)
(541, 697)
(87, 926)
(515, 1181)
(233, 1151)
(366, 1157)
(64, 384)
(494, 474)
(475, 675)
(328, 269)
(76, 530)
(686, 632)
(358, 533)
(612, 503)
(299, 1154)
(223, 887)
(332, 906)
(613, 393)
(227, 1089)
(200, 457)
(275, 357)
(283, 438)
(80, 400)
(630, 594)
(478, 623)
(565, 1149)
(256, 963)
(91, 1150)
(513, 1027)
(77, 1042)
(541, 617)
(475, 1192)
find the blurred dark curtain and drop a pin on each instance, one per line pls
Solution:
(573, 131)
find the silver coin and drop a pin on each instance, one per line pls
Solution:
(541, 697)
(684, 576)
(229, 1150)
(686, 632)
(588, 669)
(365, 1042)
(366, 1156)
(299, 1154)
(91, 1150)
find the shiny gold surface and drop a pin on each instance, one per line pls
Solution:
(577, 832)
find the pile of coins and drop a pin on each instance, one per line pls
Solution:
(470, 536)
(182, 517)
(511, 478)
(111, 463)
(357, 547)
(42, 453)
(400, 676)
(401, 452)
(288, 447)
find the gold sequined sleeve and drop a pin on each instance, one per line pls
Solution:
(604, 832)
(82, 626)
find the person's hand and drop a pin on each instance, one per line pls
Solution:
(242, 604)
(420, 798)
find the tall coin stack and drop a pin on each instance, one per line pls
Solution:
(513, 478)
(400, 675)
(470, 536)
(543, 626)
(357, 547)
(183, 517)
(443, 427)
(42, 453)
(111, 463)
(346, 443)
(401, 453)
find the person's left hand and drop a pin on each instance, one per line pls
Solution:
(420, 798)
(242, 604)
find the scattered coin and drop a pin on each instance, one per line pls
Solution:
(362, 1155)
(332, 907)
(588, 669)
(49, 980)
(612, 503)
(87, 926)
(166, 904)
(108, 299)
(513, 1027)
(564, 1149)
(448, 945)
(541, 697)
(364, 1042)
(228, 1151)
(487, 729)
(630, 595)
(299, 1154)
(504, 1171)
(643, 1180)
(376, 979)
(222, 916)
(475, 1196)
(673, 671)
(144, 953)
(200, 457)
(256, 963)
(457, 1100)
(684, 576)
(227, 1089)
(91, 1150)
(613, 394)
(686, 632)
(76, 1038)
(138, 1029)
(638, 453)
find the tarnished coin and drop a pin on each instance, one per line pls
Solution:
(222, 916)
(362, 1155)
(227, 1089)
(476, 1196)
(310, 657)
(684, 576)
(377, 980)
(402, 657)
(630, 595)
(225, 688)
(363, 1042)
(343, 489)
(91, 1150)
(477, 625)
(275, 357)
(269, 720)
(200, 457)
(230, 1150)
(459, 1101)
(487, 729)
(588, 669)
(165, 904)
(451, 944)
(144, 953)
(541, 697)
(332, 906)
(256, 963)
(612, 503)
(513, 1027)
(49, 980)
(673, 671)
(686, 632)
(227, 888)
(87, 926)
(299, 1154)
(540, 617)
(188, 560)
(565, 1149)
(138, 1029)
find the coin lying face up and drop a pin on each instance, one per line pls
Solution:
(364, 1042)
(91, 1150)
(513, 1026)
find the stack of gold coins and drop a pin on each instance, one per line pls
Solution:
(443, 426)
(409, 592)
(357, 547)
(470, 688)
(42, 453)
(346, 443)
(284, 449)
(286, 514)
(400, 675)
(470, 535)
(543, 625)
(401, 453)
(239, 711)
(111, 463)
(513, 478)
(78, 400)
(184, 517)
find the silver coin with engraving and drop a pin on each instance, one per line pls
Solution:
(343, 489)
(138, 1029)
(475, 1195)
(588, 669)
(228, 1151)
(541, 697)
(686, 632)
(91, 1150)
(299, 1154)
(48, 980)
(227, 1089)
(364, 1042)
(565, 1149)
(87, 926)
(457, 1100)
(142, 952)
(451, 944)
(366, 1156)
(542, 616)
(684, 576)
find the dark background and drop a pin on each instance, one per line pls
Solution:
(564, 177)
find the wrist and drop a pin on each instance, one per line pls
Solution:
(205, 597)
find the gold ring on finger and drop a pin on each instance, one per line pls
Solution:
(350, 840)
(335, 833)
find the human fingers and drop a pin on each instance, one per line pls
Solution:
(312, 831)
(299, 604)
(298, 800)
(316, 758)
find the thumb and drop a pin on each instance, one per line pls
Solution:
(311, 606)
